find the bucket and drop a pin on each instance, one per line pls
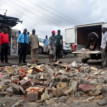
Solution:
(73, 47)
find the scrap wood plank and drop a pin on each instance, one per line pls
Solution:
(87, 52)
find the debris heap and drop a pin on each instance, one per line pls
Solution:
(58, 82)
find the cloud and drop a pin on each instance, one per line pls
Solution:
(46, 15)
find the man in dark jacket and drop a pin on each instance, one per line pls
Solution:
(59, 45)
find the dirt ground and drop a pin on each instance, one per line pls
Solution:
(9, 101)
(13, 60)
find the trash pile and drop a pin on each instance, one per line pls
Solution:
(61, 81)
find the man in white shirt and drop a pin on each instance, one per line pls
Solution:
(104, 47)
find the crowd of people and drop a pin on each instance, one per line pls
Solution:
(53, 46)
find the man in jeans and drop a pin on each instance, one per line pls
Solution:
(23, 40)
(4, 46)
(46, 44)
(104, 47)
(59, 45)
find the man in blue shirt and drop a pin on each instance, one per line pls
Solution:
(23, 41)
(46, 43)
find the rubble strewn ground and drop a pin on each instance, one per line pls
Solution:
(66, 84)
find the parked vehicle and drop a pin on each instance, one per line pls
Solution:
(79, 35)
(66, 48)
(41, 46)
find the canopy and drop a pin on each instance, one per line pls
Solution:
(8, 21)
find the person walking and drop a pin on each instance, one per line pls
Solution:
(23, 41)
(4, 46)
(104, 47)
(59, 45)
(52, 47)
(34, 42)
(46, 44)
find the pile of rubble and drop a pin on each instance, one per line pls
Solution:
(56, 82)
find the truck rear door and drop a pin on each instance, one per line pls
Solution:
(70, 35)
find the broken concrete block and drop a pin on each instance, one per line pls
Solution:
(57, 92)
(25, 83)
(39, 68)
(32, 96)
(17, 89)
(102, 102)
(45, 96)
(19, 103)
(10, 91)
(15, 79)
(86, 87)
(62, 85)
(72, 88)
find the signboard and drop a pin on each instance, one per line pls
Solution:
(14, 44)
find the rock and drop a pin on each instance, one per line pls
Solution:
(102, 102)
(33, 93)
(93, 69)
(79, 94)
(39, 68)
(97, 91)
(18, 104)
(18, 90)
(62, 85)
(10, 91)
(45, 96)
(72, 88)
(104, 90)
(32, 96)
(101, 80)
(86, 87)
(15, 79)
(63, 99)
(57, 92)
(50, 102)
(25, 83)
(9, 69)
(74, 64)
(94, 81)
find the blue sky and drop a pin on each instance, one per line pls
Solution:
(46, 15)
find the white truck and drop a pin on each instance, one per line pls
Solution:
(79, 35)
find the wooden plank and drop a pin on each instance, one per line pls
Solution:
(87, 52)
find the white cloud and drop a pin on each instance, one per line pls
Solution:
(46, 15)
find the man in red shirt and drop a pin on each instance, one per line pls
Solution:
(0, 40)
(4, 46)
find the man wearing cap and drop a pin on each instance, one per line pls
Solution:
(23, 40)
(104, 47)
(52, 47)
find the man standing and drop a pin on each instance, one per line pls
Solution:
(59, 45)
(52, 47)
(4, 46)
(34, 46)
(0, 39)
(104, 47)
(23, 41)
(46, 43)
